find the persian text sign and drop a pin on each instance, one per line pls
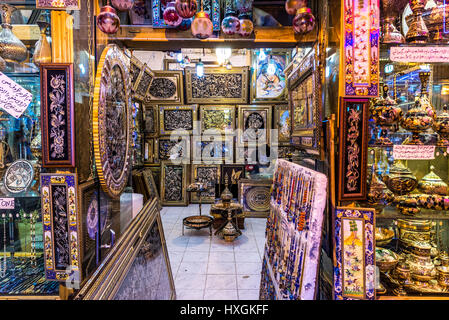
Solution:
(419, 54)
(413, 152)
(7, 203)
(14, 99)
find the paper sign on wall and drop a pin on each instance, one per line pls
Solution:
(413, 152)
(419, 54)
(14, 99)
(7, 203)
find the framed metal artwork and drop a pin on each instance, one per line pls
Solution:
(148, 150)
(144, 84)
(166, 88)
(211, 7)
(57, 115)
(269, 87)
(282, 122)
(18, 176)
(90, 224)
(205, 173)
(151, 120)
(58, 5)
(254, 196)
(174, 65)
(355, 271)
(353, 149)
(213, 149)
(166, 149)
(174, 184)
(174, 118)
(359, 65)
(217, 85)
(150, 186)
(221, 118)
(136, 69)
(112, 121)
(232, 173)
(61, 220)
(254, 123)
(304, 101)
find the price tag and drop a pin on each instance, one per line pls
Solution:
(7, 203)
(413, 152)
(419, 54)
(14, 99)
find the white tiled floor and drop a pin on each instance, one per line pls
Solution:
(208, 267)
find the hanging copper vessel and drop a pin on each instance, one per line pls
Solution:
(441, 126)
(391, 11)
(386, 114)
(400, 179)
(433, 184)
(108, 20)
(417, 32)
(304, 21)
(186, 8)
(42, 51)
(11, 48)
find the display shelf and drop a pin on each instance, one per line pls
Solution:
(390, 213)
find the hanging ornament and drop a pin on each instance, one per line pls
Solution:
(108, 20)
(11, 48)
(202, 26)
(123, 5)
(291, 6)
(246, 25)
(185, 24)
(186, 8)
(42, 49)
(304, 21)
(230, 24)
(171, 16)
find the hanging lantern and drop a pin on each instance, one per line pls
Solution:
(171, 16)
(291, 6)
(202, 27)
(230, 24)
(304, 21)
(123, 5)
(42, 49)
(186, 8)
(11, 48)
(108, 20)
(246, 25)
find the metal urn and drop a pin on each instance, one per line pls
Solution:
(417, 32)
(391, 11)
(12, 50)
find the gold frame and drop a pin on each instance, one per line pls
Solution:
(193, 108)
(185, 170)
(219, 100)
(254, 63)
(107, 279)
(148, 71)
(179, 87)
(205, 108)
(140, 66)
(147, 175)
(253, 183)
(277, 113)
(193, 196)
(150, 143)
(167, 63)
(196, 151)
(241, 110)
(186, 157)
(155, 109)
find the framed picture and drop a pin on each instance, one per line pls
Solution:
(282, 122)
(90, 223)
(304, 100)
(254, 196)
(61, 220)
(150, 185)
(166, 149)
(166, 88)
(174, 65)
(150, 120)
(254, 125)
(211, 7)
(355, 271)
(136, 69)
(213, 149)
(148, 150)
(173, 118)
(221, 118)
(58, 5)
(206, 173)
(156, 171)
(144, 83)
(353, 149)
(232, 173)
(267, 87)
(57, 115)
(254, 154)
(141, 13)
(174, 184)
(217, 85)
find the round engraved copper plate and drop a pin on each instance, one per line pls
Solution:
(112, 121)
(258, 199)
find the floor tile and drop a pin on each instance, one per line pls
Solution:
(204, 247)
(221, 256)
(221, 268)
(195, 256)
(220, 295)
(192, 267)
(251, 282)
(190, 281)
(247, 268)
(247, 256)
(189, 294)
(248, 294)
(221, 282)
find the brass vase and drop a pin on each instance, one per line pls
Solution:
(391, 11)
(42, 51)
(432, 184)
(400, 180)
(421, 115)
(378, 194)
(434, 18)
(386, 114)
(441, 126)
(417, 32)
(12, 50)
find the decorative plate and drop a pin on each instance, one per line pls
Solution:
(112, 121)
(18, 176)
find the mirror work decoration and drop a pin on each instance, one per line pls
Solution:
(57, 112)
(355, 272)
(60, 218)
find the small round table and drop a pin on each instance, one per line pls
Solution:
(197, 222)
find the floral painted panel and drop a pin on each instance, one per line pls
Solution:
(354, 275)
(58, 4)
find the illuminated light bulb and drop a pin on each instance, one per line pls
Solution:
(200, 69)
(179, 57)
(228, 65)
(223, 54)
(262, 55)
(271, 69)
